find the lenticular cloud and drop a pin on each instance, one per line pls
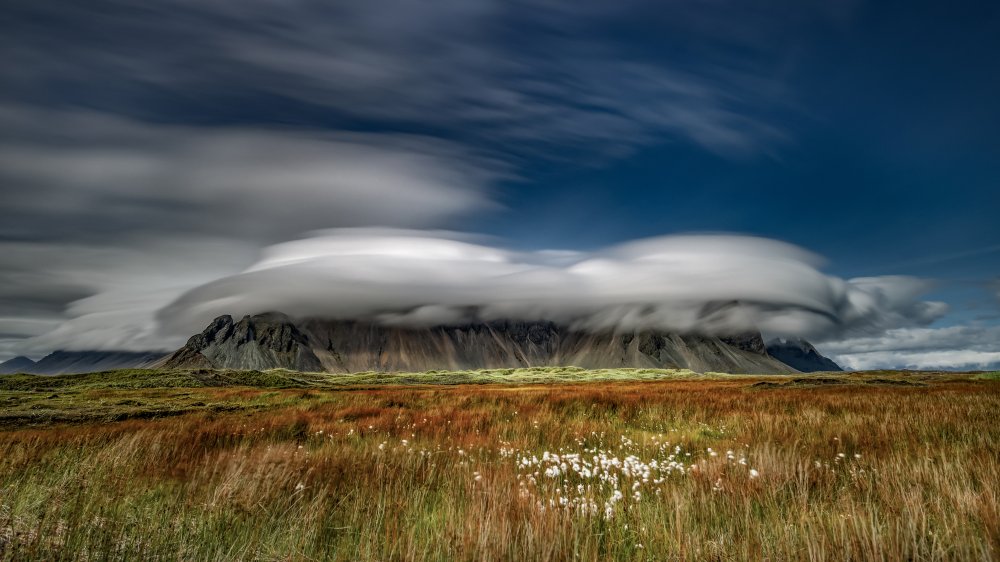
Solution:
(697, 283)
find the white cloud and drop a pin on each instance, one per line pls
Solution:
(951, 347)
(106, 219)
(121, 288)
(919, 339)
(952, 360)
(679, 283)
(73, 171)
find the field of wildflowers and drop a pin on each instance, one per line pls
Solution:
(725, 469)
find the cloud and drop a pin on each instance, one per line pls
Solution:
(148, 151)
(545, 74)
(951, 360)
(17, 327)
(953, 347)
(920, 339)
(707, 283)
(85, 175)
(116, 290)
(107, 219)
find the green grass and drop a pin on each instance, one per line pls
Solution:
(279, 378)
(991, 376)
(152, 378)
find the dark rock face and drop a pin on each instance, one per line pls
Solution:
(273, 340)
(752, 342)
(19, 364)
(264, 341)
(801, 355)
(68, 362)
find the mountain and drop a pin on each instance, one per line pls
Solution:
(67, 362)
(801, 355)
(265, 341)
(274, 340)
(19, 364)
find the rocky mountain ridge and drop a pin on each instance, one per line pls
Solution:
(273, 340)
(264, 341)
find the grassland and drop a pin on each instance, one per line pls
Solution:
(492, 465)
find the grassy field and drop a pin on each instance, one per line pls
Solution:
(494, 465)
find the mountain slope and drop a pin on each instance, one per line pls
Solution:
(66, 362)
(19, 364)
(801, 355)
(273, 340)
(265, 341)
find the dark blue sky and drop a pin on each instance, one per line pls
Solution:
(867, 132)
(890, 155)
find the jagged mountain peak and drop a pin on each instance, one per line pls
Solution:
(273, 340)
(261, 341)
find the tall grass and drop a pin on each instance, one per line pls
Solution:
(461, 473)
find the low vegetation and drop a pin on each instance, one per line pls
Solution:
(485, 465)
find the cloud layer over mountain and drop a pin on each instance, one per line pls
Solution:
(707, 283)
(150, 154)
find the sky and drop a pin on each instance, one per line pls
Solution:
(820, 169)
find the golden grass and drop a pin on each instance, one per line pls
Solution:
(447, 473)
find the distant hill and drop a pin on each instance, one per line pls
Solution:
(19, 364)
(66, 362)
(273, 340)
(801, 355)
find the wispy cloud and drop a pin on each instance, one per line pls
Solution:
(491, 72)
(88, 175)
(107, 219)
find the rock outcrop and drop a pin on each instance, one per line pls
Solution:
(265, 341)
(273, 340)
(801, 355)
